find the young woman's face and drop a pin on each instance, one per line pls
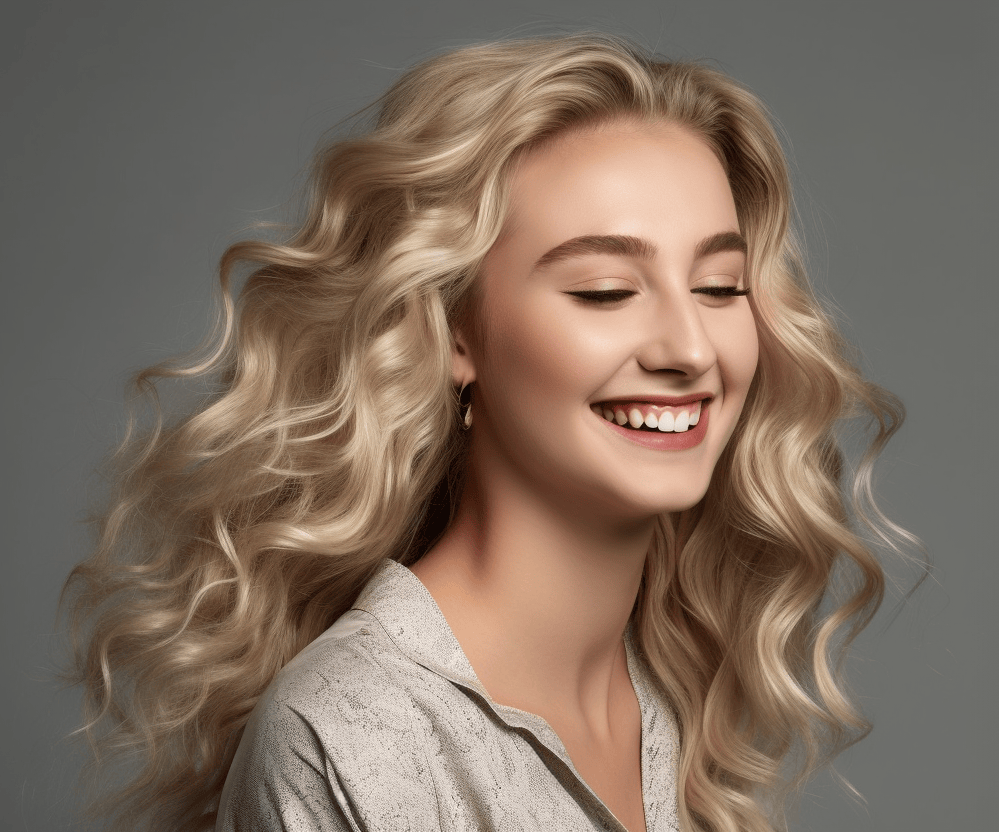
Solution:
(607, 303)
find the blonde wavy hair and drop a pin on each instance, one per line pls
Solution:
(236, 535)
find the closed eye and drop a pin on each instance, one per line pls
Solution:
(721, 291)
(602, 295)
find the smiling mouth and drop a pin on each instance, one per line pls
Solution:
(641, 416)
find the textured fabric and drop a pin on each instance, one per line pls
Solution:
(381, 725)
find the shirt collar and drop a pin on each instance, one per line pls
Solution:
(408, 613)
(411, 618)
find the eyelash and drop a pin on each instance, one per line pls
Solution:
(722, 291)
(616, 295)
(606, 296)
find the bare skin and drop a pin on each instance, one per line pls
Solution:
(551, 534)
(542, 665)
(562, 654)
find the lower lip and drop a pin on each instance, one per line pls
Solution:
(665, 441)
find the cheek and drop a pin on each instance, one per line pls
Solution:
(738, 348)
(539, 351)
(518, 360)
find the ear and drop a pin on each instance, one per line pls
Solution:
(462, 363)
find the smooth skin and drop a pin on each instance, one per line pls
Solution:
(549, 541)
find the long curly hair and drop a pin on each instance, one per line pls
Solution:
(328, 441)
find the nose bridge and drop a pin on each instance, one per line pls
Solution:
(675, 337)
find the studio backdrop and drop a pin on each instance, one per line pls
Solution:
(140, 138)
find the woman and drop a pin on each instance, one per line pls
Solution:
(536, 409)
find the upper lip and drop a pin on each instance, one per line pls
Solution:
(661, 401)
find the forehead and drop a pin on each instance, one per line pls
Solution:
(655, 180)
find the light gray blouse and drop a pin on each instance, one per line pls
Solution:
(380, 725)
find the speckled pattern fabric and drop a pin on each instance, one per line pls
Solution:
(380, 725)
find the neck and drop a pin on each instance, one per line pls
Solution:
(538, 593)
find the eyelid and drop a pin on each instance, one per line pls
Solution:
(719, 282)
(721, 291)
(604, 283)
(602, 295)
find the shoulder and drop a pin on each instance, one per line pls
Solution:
(342, 728)
(354, 678)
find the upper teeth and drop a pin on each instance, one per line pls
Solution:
(665, 419)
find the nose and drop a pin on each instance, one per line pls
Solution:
(675, 339)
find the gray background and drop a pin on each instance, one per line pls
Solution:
(140, 138)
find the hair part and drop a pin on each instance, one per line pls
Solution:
(235, 536)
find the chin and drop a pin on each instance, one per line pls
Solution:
(674, 500)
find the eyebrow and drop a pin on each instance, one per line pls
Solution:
(620, 244)
(627, 246)
(718, 243)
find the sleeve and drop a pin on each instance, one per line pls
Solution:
(282, 779)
